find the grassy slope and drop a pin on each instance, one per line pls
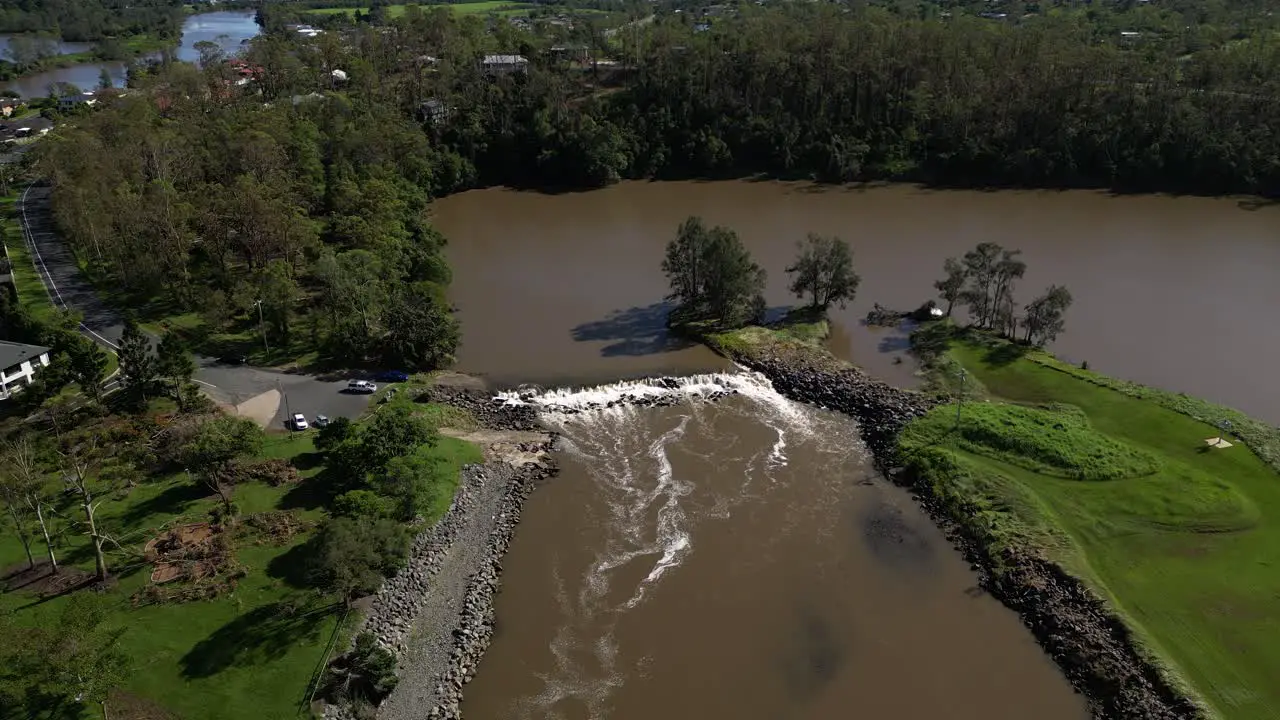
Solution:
(797, 328)
(1188, 552)
(248, 654)
(31, 293)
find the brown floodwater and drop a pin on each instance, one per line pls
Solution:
(1179, 293)
(740, 560)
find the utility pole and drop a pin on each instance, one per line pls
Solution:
(262, 326)
(287, 410)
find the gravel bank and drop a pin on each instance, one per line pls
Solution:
(452, 615)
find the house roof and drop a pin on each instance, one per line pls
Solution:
(13, 354)
(504, 60)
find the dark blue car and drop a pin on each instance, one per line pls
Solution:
(393, 376)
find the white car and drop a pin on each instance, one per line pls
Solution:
(299, 421)
(362, 386)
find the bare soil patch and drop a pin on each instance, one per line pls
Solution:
(127, 706)
(188, 552)
(40, 582)
(514, 447)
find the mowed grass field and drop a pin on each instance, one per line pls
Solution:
(250, 653)
(500, 7)
(1118, 485)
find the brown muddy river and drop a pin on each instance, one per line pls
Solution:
(1180, 293)
(738, 560)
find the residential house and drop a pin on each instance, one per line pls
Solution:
(9, 105)
(570, 53)
(18, 365)
(504, 64)
(70, 102)
(435, 111)
(26, 127)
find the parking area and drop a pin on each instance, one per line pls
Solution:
(306, 394)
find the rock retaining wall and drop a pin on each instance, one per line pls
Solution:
(475, 630)
(400, 600)
(489, 414)
(1092, 645)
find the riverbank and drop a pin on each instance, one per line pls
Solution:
(1086, 622)
(436, 615)
(131, 47)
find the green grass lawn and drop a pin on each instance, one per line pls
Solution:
(31, 292)
(1122, 490)
(250, 653)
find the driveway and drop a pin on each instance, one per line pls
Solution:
(233, 384)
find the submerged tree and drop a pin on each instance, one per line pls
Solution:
(1044, 319)
(989, 271)
(712, 275)
(824, 271)
(951, 287)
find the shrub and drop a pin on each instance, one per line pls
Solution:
(361, 503)
(274, 472)
(365, 675)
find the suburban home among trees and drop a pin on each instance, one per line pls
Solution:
(18, 365)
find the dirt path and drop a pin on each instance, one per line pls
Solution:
(514, 447)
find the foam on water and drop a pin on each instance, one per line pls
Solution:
(629, 461)
(647, 389)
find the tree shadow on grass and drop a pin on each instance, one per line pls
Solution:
(173, 501)
(259, 636)
(1005, 353)
(308, 460)
(293, 566)
(311, 493)
(632, 332)
(317, 491)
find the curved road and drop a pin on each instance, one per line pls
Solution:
(56, 266)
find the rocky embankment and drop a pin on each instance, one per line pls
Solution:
(487, 413)
(447, 620)
(810, 376)
(1094, 648)
(436, 615)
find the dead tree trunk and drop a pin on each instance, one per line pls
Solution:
(44, 529)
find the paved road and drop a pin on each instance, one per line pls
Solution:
(68, 288)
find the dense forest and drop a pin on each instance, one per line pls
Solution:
(88, 20)
(309, 191)
(840, 94)
(315, 211)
